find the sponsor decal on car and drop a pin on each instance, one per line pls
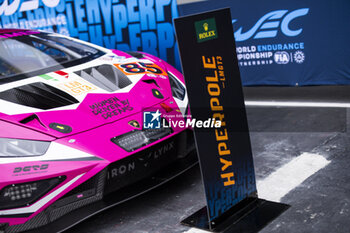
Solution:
(120, 170)
(157, 153)
(30, 170)
(62, 73)
(146, 67)
(77, 87)
(47, 77)
(110, 107)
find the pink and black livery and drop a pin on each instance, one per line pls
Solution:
(71, 120)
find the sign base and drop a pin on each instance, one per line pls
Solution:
(250, 215)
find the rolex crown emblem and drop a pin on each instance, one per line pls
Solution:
(206, 26)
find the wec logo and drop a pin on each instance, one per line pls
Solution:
(8, 7)
(268, 25)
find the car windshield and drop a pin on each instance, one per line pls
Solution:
(25, 56)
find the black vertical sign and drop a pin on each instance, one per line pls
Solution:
(209, 62)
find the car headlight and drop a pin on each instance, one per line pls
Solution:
(20, 148)
(23, 194)
(177, 88)
(138, 138)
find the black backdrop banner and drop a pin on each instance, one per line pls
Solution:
(212, 76)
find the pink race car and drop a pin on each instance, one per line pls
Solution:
(82, 129)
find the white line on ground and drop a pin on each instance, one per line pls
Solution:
(286, 178)
(289, 176)
(194, 230)
(297, 104)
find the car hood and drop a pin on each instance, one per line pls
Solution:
(69, 101)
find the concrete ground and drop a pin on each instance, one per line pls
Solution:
(315, 184)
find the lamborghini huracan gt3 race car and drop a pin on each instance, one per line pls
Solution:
(73, 133)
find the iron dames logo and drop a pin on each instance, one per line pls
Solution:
(268, 25)
(206, 30)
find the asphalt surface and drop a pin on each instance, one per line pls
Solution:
(321, 203)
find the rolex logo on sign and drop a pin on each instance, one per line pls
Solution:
(206, 30)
